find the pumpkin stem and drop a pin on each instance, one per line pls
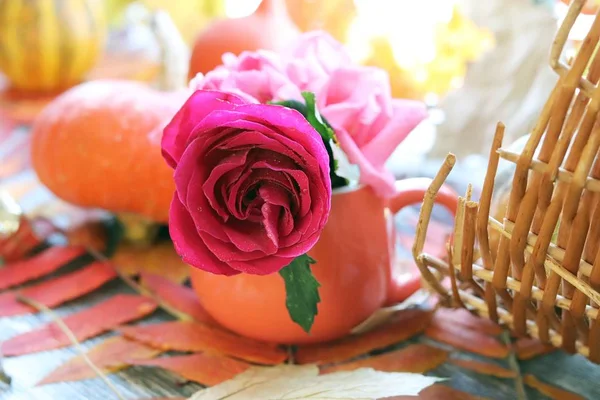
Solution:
(138, 230)
(174, 52)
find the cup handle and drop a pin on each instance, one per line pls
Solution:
(408, 192)
(412, 191)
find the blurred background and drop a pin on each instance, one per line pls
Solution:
(473, 62)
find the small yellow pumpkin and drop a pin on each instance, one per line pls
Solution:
(48, 45)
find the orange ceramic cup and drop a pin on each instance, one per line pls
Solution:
(355, 259)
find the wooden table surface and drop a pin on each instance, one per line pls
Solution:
(570, 372)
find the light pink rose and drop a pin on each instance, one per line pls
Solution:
(252, 182)
(312, 59)
(257, 77)
(368, 122)
(355, 100)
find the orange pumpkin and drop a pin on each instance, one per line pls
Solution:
(270, 27)
(98, 144)
(333, 16)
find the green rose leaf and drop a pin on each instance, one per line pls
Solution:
(312, 115)
(302, 291)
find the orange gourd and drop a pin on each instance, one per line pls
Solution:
(270, 28)
(98, 145)
(48, 45)
(333, 16)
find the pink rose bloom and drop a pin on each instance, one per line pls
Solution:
(257, 77)
(368, 122)
(252, 184)
(313, 58)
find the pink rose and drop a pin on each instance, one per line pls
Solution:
(257, 77)
(252, 184)
(313, 58)
(368, 122)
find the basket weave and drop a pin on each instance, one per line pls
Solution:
(543, 279)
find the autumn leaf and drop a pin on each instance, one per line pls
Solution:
(177, 296)
(439, 392)
(188, 336)
(485, 368)
(416, 358)
(549, 390)
(465, 339)
(406, 324)
(85, 324)
(304, 382)
(161, 259)
(29, 236)
(59, 290)
(467, 320)
(89, 234)
(207, 369)
(109, 356)
(528, 348)
(48, 261)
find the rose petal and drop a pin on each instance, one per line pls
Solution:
(275, 195)
(270, 214)
(202, 214)
(257, 77)
(380, 180)
(178, 132)
(231, 162)
(255, 139)
(189, 245)
(407, 115)
(313, 58)
(300, 179)
(263, 266)
(358, 99)
(248, 242)
(297, 130)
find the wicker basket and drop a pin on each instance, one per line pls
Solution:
(543, 278)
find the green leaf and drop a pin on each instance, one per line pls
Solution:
(301, 291)
(311, 113)
(314, 118)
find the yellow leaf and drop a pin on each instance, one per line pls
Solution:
(304, 382)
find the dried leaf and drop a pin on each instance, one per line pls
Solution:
(160, 259)
(406, 324)
(549, 390)
(59, 290)
(85, 324)
(467, 320)
(439, 392)
(417, 358)
(29, 235)
(528, 348)
(48, 261)
(89, 234)
(206, 369)
(179, 297)
(485, 368)
(466, 339)
(303, 382)
(193, 337)
(109, 356)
